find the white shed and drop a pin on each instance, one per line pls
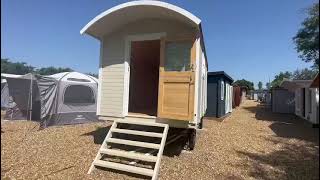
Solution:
(153, 68)
(306, 99)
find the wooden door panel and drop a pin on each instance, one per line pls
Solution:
(176, 98)
(176, 90)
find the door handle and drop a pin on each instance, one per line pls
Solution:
(192, 67)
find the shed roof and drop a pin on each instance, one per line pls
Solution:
(295, 84)
(220, 73)
(132, 11)
(315, 82)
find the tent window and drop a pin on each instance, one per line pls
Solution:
(78, 80)
(76, 94)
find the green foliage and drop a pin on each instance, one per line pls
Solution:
(279, 78)
(22, 68)
(307, 38)
(93, 74)
(245, 83)
(259, 85)
(15, 67)
(304, 74)
(268, 85)
(52, 70)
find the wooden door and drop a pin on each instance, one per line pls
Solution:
(176, 79)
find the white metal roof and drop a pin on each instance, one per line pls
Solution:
(124, 13)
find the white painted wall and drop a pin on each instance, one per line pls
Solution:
(311, 104)
(228, 100)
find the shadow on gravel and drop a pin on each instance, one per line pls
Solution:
(292, 161)
(99, 134)
(286, 125)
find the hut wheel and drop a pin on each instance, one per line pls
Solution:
(192, 138)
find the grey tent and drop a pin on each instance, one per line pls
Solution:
(67, 98)
(21, 96)
(4, 94)
(59, 99)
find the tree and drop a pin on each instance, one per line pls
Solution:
(259, 85)
(15, 67)
(279, 78)
(52, 70)
(304, 74)
(268, 85)
(93, 74)
(307, 38)
(245, 83)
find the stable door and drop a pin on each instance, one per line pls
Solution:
(177, 79)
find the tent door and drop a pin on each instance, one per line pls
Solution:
(177, 79)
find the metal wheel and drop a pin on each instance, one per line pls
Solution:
(192, 138)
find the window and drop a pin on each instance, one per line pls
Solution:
(177, 56)
(222, 90)
(78, 80)
(78, 94)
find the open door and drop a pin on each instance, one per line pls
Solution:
(176, 79)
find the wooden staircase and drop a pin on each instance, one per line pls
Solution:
(120, 135)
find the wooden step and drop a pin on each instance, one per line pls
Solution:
(123, 167)
(140, 133)
(140, 122)
(134, 143)
(130, 155)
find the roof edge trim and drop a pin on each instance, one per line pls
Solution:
(177, 9)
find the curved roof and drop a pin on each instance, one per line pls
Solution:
(124, 13)
(74, 76)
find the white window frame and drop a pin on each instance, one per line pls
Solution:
(222, 90)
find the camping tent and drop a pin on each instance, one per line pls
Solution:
(67, 98)
(4, 94)
(59, 99)
(18, 99)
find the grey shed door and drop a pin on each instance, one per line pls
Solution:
(212, 99)
(283, 102)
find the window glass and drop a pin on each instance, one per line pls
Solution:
(79, 80)
(177, 56)
(222, 90)
(77, 94)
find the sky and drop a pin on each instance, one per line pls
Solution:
(247, 39)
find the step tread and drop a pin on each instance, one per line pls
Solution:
(130, 155)
(124, 167)
(141, 122)
(140, 133)
(134, 143)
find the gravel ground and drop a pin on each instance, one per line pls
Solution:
(251, 143)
